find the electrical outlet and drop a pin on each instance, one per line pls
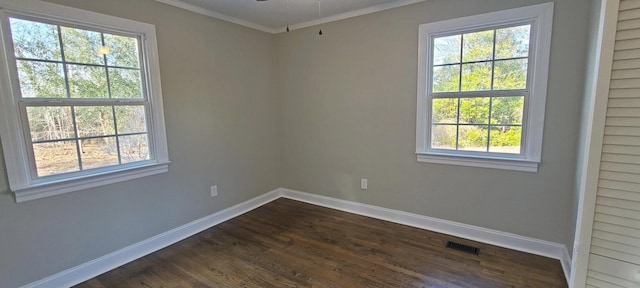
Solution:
(214, 190)
(364, 184)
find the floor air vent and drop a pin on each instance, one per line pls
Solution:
(463, 248)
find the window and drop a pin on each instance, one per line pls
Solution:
(482, 89)
(81, 100)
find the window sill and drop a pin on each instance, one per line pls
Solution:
(484, 162)
(47, 189)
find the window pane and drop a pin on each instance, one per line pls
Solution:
(50, 123)
(131, 119)
(476, 77)
(474, 110)
(123, 51)
(443, 137)
(473, 138)
(98, 152)
(446, 50)
(513, 42)
(477, 46)
(507, 110)
(56, 157)
(446, 78)
(82, 46)
(87, 81)
(445, 110)
(125, 83)
(134, 148)
(35, 40)
(94, 121)
(506, 139)
(41, 79)
(510, 74)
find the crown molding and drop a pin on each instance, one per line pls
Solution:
(216, 15)
(350, 14)
(323, 20)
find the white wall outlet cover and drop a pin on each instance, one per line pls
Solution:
(364, 184)
(214, 191)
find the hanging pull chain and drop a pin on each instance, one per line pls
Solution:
(286, 8)
(319, 16)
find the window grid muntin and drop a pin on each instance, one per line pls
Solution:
(493, 74)
(492, 60)
(69, 24)
(77, 139)
(452, 95)
(74, 63)
(143, 69)
(95, 137)
(481, 93)
(72, 102)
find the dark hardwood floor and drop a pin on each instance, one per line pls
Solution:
(292, 244)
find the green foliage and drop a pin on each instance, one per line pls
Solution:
(35, 40)
(506, 136)
(478, 46)
(477, 62)
(507, 110)
(503, 115)
(82, 46)
(94, 120)
(125, 83)
(466, 63)
(476, 76)
(473, 137)
(444, 136)
(445, 110)
(510, 74)
(41, 79)
(474, 110)
(123, 51)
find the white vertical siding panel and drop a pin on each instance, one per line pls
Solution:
(622, 140)
(615, 246)
(629, 24)
(620, 167)
(629, 4)
(626, 73)
(626, 64)
(627, 44)
(626, 54)
(620, 176)
(627, 102)
(628, 15)
(625, 222)
(622, 121)
(611, 279)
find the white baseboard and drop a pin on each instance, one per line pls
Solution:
(86, 271)
(125, 255)
(475, 233)
(566, 264)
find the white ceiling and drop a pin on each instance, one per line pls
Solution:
(270, 16)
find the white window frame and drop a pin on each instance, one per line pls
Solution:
(540, 17)
(23, 181)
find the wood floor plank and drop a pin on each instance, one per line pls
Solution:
(287, 243)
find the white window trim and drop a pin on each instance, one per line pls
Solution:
(21, 182)
(541, 17)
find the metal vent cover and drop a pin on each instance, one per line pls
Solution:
(463, 248)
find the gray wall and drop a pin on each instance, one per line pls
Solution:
(349, 108)
(221, 116)
(587, 109)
